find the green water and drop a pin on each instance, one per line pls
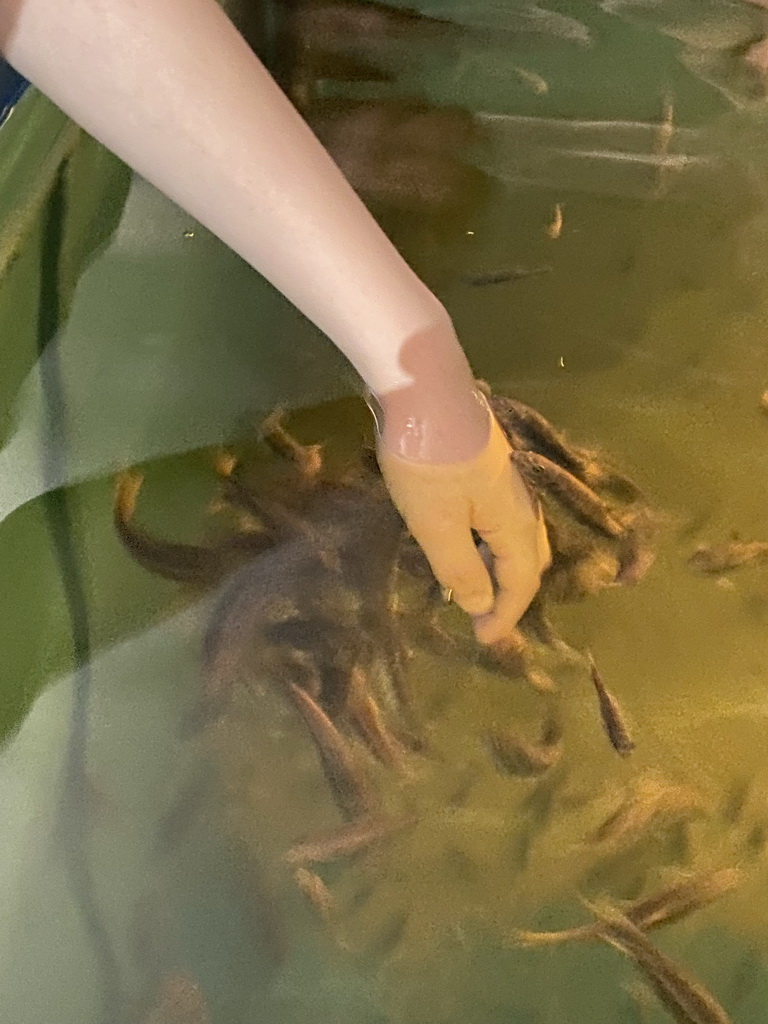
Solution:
(647, 340)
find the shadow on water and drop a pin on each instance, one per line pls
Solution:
(285, 783)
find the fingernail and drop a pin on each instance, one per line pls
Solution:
(475, 604)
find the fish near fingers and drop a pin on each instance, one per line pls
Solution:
(569, 491)
(349, 786)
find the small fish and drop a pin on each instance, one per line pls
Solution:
(539, 434)
(179, 1000)
(764, 402)
(735, 801)
(183, 563)
(664, 907)
(683, 898)
(352, 838)
(348, 785)
(532, 80)
(576, 496)
(636, 556)
(611, 713)
(555, 226)
(681, 993)
(652, 800)
(503, 276)
(370, 723)
(178, 821)
(316, 891)
(716, 558)
(517, 756)
(756, 840)
(308, 458)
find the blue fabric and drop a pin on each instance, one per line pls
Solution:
(12, 85)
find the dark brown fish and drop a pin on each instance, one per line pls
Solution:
(574, 495)
(346, 841)
(349, 786)
(717, 558)
(611, 714)
(503, 276)
(541, 436)
(183, 563)
(686, 998)
(517, 756)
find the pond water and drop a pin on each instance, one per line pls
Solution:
(144, 858)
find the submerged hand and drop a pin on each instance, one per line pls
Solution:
(442, 503)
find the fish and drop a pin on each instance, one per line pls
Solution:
(182, 563)
(517, 756)
(349, 839)
(636, 556)
(502, 18)
(610, 711)
(735, 801)
(531, 79)
(369, 721)
(683, 898)
(664, 907)
(349, 786)
(316, 891)
(308, 458)
(756, 840)
(652, 799)
(481, 280)
(555, 226)
(688, 1000)
(539, 434)
(576, 496)
(186, 809)
(338, 25)
(764, 402)
(717, 558)
(179, 1000)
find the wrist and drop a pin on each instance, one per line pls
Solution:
(440, 416)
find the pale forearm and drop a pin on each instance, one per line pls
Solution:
(172, 88)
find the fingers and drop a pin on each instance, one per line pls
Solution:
(446, 540)
(517, 539)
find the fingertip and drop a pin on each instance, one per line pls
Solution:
(479, 603)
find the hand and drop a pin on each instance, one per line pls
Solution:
(442, 503)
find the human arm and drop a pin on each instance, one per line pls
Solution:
(173, 89)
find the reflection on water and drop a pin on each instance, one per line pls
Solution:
(305, 794)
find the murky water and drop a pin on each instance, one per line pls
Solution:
(136, 849)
